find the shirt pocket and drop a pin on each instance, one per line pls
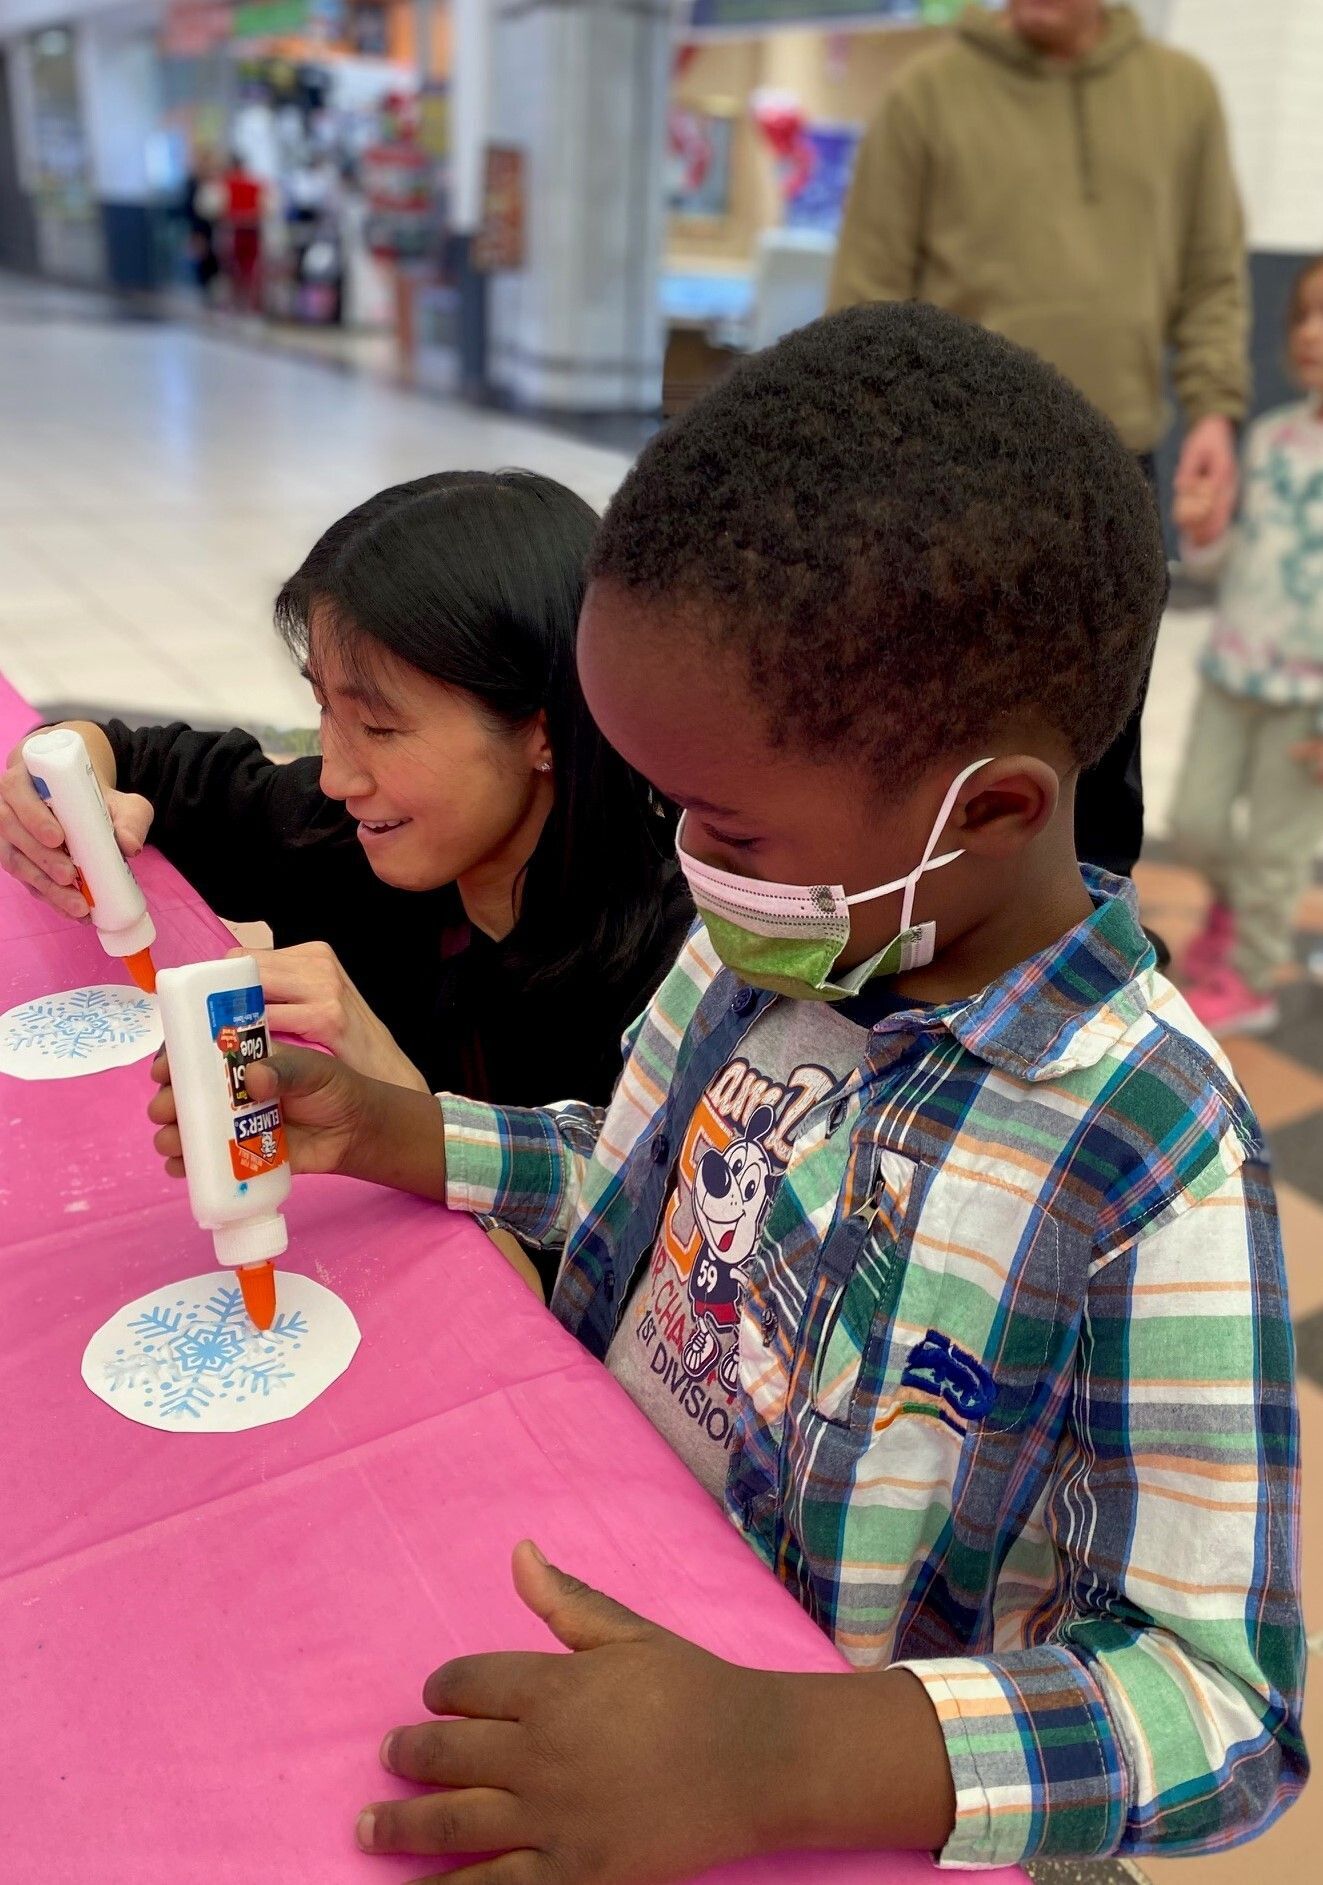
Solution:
(984, 1316)
(956, 1310)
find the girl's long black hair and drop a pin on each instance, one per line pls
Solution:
(476, 578)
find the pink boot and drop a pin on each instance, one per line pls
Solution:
(1211, 948)
(1226, 1004)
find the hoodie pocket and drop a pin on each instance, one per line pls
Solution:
(1113, 355)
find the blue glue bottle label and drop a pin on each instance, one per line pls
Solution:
(236, 1018)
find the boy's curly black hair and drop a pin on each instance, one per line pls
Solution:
(910, 528)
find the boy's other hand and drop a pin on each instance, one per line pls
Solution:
(32, 842)
(638, 1758)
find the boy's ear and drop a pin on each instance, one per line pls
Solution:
(1008, 803)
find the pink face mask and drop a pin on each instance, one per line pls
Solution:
(787, 937)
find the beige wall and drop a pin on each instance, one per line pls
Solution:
(838, 79)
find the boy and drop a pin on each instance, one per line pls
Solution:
(1006, 1399)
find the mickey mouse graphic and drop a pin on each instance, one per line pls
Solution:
(730, 1198)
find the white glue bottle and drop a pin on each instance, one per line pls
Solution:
(62, 774)
(235, 1157)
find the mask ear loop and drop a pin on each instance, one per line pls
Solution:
(927, 862)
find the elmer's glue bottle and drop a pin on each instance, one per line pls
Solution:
(62, 774)
(235, 1158)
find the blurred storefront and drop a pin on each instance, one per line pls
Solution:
(18, 226)
(115, 117)
(64, 205)
(585, 206)
(300, 92)
(547, 244)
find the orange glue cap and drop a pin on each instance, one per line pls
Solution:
(143, 970)
(257, 1281)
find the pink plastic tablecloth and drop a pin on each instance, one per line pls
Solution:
(203, 1637)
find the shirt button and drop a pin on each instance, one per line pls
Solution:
(661, 1149)
(609, 1283)
(744, 1000)
(769, 1325)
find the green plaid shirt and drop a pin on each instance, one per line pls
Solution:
(1017, 1405)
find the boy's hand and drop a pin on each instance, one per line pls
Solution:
(309, 994)
(320, 1099)
(639, 1758)
(32, 843)
(336, 1120)
(1310, 755)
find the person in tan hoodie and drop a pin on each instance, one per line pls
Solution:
(1052, 173)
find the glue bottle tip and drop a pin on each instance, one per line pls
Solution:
(143, 970)
(257, 1281)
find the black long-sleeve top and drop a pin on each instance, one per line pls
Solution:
(262, 843)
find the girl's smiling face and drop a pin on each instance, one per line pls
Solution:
(439, 789)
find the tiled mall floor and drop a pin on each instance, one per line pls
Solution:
(157, 483)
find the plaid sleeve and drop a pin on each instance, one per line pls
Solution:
(522, 1168)
(1164, 1716)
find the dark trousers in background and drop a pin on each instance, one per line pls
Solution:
(1109, 803)
(1109, 800)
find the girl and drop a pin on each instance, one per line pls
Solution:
(469, 891)
(1255, 740)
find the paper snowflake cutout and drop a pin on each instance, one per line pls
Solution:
(184, 1357)
(80, 1024)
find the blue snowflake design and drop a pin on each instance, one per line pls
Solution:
(79, 1024)
(187, 1356)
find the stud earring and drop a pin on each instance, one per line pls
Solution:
(545, 766)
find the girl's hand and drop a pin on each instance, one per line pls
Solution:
(309, 994)
(336, 1120)
(1310, 755)
(32, 843)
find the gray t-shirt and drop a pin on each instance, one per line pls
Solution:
(676, 1352)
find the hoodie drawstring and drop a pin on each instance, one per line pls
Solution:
(1088, 179)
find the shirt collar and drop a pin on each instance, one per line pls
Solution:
(1071, 1003)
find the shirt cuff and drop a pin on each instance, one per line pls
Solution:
(474, 1156)
(1036, 1763)
(505, 1163)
